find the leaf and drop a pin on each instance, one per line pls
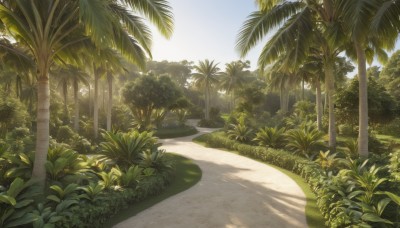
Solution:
(369, 217)
(26, 219)
(394, 197)
(7, 199)
(53, 198)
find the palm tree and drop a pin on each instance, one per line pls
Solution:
(233, 78)
(49, 27)
(300, 24)
(370, 26)
(205, 77)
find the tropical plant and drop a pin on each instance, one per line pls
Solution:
(240, 131)
(156, 160)
(104, 23)
(304, 140)
(65, 165)
(130, 178)
(326, 160)
(125, 149)
(16, 203)
(271, 137)
(351, 149)
(92, 192)
(206, 76)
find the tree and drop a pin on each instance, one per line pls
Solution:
(390, 76)
(49, 27)
(147, 94)
(233, 78)
(300, 25)
(360, 19)
(381, 104)
(205, 77)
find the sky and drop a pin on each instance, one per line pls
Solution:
(205, 29)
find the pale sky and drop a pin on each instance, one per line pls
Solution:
(205, 29)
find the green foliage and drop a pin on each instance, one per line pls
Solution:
(240, 131)
(155, 159)
(326, 160)
(125, 149)
(381, 106)
(345, 129)
(64, 134)
(351, 149)
(147, 94)
(175, 131)
(130, 178)
(65, 165)
(270, 137)
(304, 140)
(394, 166)
(12, 114)
(16, 203)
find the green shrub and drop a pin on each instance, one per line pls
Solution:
(270, 137)
(65, 133)
(176, 131)
(125, 149)
(64, 165)
(16, 203)
(346, 129)
(240, 131)
(305, 140)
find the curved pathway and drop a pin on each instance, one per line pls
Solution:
(234, 191)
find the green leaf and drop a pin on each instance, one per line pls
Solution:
(54, 198)
(394, 197)
(369, 217)
(26, 219)
(7, 199)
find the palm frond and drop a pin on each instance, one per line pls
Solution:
(97, 20)
(293, 38)
(159, 13)
(259, 23)
(134, 25)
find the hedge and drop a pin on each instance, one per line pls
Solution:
(97, 213)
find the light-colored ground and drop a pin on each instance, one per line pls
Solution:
(234, 192)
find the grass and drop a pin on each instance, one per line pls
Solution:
(187, 175)
(167, 133)
(313, 214)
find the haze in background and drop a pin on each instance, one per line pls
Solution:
(205, 29)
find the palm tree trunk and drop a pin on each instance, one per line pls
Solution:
(76, 102)
(65, 95)
(207, 101)
(109, 108)
(363, 103)
(95, 102)
(319, 104)
(330, 87)
(42, 129)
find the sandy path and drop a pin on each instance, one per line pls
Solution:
(234, 192)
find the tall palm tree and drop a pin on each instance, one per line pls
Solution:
(205, 77)
(300, 24)
(49, 27)
(233, 78)
(371, 26)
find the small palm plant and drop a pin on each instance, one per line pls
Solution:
(304, 140)
(270, 136)
(240, 131)
(351, 149)
(125, 149)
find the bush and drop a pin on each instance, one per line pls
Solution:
(174, 132)
(270, 137)
(345, 129)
